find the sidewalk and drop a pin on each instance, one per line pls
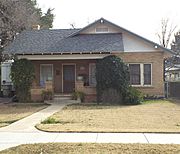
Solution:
(24, 132)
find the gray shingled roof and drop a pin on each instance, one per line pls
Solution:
(52, 41)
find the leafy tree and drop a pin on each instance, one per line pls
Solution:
(175, 46)
(22, 75)
(112, 77)
(47, 19)
(19, 15)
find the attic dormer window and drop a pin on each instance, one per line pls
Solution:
(102, 30)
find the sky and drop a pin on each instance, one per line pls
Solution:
(142, 17)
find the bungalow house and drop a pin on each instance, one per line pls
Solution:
(65, 59)
(173, 74)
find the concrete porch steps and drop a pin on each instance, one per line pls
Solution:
(62, 97)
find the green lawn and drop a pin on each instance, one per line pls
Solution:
(151, 116)
(92, 148)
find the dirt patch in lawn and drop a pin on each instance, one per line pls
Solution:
(152, 116)
(53, 148)
(10, 113)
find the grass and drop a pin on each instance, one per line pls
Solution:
(89, 148)
(10, 113)
(50, 121)
(151, 116)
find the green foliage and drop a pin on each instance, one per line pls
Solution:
(78, 94)
(22, 75)
(47, 95)
(111, 73)
(49, 121)
(47, 19)
(133, 96)
(81, 95)
(74, 95)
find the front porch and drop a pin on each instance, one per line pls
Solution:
(64, 77)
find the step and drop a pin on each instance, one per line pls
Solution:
(62, 96)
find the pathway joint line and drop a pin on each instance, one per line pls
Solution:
(146, 138)
(96, 137)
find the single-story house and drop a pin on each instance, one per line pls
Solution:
(173, 73)
(65, 59)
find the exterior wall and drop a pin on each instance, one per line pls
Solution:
(156, 59)
(135, 44)
(92, 29)
(82, 67)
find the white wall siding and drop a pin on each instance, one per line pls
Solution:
(135, 44)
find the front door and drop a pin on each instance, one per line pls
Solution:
(68, 78)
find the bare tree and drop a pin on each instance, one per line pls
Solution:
(167, 30)
(15, 16)
(73, 25)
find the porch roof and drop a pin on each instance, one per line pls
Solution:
(61, 41)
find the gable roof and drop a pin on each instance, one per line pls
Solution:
(59, 41)
(32, 41)
(125, 30)
(71, 41)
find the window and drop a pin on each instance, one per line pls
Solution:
(135, 74)
(92, 74)
(102, 30)
(147, 74)
(140, 74)
(46, 73)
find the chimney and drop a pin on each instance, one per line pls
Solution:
(36, 27)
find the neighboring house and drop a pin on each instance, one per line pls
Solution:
(65, 59)
(173, 74)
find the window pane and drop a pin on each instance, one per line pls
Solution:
(92, 74)
(147, 74)
(135, 74)
(46, 74)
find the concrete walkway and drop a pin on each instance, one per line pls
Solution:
(23, 132)
(27, 124)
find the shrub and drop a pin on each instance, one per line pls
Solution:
(133, 96)
(47, 95)
(78, 94)
(112, 73)
(74, 96)
(81, 96)
(22, 75)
